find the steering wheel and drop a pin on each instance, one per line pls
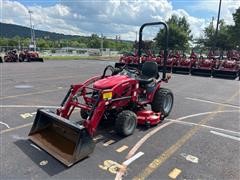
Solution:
(132, 70)
(111, 68)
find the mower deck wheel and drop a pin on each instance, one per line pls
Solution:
(163, 101)
(126, 123)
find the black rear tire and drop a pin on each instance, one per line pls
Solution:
(126, 123)
(163, 101)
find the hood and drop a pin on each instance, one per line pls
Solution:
(110, 81)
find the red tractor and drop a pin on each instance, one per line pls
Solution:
(172, 60)
(134, 60)
(121, 97)
(11, 56)
(129, 58)
(29, 56)
(204, 66)
(229, 67)
(184, 64)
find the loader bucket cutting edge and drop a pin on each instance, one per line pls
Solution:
(66, 141)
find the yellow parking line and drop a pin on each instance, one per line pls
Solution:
(108, 142)
(156, 163)
(121, 149)
(174, 173)
(15, 128)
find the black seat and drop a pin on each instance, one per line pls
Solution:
(149, 73)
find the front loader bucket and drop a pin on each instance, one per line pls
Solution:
(201, 72)
(225, 74)
(36, 59)
(68, 142)
(181, 70)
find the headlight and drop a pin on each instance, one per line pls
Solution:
(107, 95)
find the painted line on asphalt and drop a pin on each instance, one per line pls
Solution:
(28, 106)
(212, 102)
(225, 135)
(108, 143)
(174, 173)
(22, 126)
(159, 160)
(29, 94)
(15, 128)
(5, 124)
(131, 153)
(133, 158)
(202, 125)
(122, 148)
(98, 137)
(206, 113)
(39, 79)
(145, 138)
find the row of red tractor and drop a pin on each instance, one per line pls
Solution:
(23, 56)
(226, 66)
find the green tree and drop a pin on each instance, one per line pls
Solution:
(235, 29)
(94, 41)
(221, 41)
(179, 34)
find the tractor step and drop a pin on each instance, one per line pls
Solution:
(68, 142)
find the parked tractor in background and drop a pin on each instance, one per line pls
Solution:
(184, 64)
(29, 56)
(129, 58)
(121, 97)
(204, 66)
(11, 56)
(228, 67)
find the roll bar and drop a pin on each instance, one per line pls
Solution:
(166, 43)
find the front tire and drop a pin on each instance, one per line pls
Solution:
(163, 101)
(126, 123)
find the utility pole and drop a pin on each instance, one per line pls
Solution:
(219, 10)
(32, 43)
(34, 39)
(101, 44)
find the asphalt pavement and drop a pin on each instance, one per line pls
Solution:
(199, 140)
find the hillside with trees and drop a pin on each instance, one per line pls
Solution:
(14, 35)
(180, 37)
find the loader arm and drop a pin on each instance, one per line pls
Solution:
(69, 102)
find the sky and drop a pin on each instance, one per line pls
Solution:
(113, 17)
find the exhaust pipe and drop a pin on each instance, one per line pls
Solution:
(68, 142)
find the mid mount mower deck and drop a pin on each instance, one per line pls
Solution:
(121, 97)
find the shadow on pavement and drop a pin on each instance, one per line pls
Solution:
(52, 167)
